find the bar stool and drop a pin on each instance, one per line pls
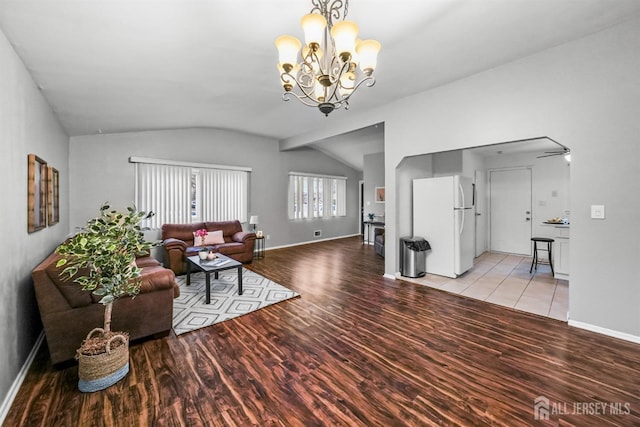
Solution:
(534, 261)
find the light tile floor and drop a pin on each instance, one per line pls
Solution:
(504, 279)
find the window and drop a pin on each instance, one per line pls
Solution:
(316, 196)
(180, 193)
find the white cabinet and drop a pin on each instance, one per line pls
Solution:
(561, 252)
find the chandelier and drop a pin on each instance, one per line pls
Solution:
(334, 63)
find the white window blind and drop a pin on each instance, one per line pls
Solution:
(164, 190)
(316, 196)
(224, 195)
(182, 193)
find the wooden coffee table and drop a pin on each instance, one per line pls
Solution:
(221, 263)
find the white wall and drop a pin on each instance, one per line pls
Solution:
(27, 125)
(585, 94)
(100, 171)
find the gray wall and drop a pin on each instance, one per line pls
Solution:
(100, 171)
(27, 125)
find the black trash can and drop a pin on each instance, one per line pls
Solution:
(413, 256)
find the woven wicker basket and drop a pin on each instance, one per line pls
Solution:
(97, 372)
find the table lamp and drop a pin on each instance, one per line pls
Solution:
(253, 221)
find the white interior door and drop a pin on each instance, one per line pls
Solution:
(510, 211)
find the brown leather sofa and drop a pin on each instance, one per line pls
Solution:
(179, 244)
(68, 313)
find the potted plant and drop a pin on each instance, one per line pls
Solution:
(101, 258)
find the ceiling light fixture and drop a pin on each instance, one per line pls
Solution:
(334, 63)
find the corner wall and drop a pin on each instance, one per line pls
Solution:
(27, 126)
(583, 94)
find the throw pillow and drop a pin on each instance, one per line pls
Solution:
(214, 238)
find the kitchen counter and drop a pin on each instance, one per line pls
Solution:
(560, 249)
(556, 224)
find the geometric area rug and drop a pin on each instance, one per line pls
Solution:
(190, 311)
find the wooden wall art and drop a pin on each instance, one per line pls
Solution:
(37, 193)
(53, 196)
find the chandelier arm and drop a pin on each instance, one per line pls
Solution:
(336, 83)
(334, 11)
(302, 88)
(334, 91)
(314, 58)
(319, 6)
(286, 97)
(369, 80)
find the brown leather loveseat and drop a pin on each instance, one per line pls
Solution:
(68, 313)
(179, 242)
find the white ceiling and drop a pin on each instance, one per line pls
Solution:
(125, 65)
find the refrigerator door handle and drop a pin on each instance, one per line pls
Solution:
(462, 222)
(464, 205)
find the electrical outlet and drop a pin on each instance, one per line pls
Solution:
(317, 233)
(268, 236)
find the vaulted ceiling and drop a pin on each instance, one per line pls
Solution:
(125, 65)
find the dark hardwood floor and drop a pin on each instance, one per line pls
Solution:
(355, 349)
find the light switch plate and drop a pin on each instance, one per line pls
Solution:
(597, 211)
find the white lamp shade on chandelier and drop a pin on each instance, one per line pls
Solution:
(332, 64)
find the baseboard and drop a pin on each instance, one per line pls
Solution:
(312, 241)
(389, 276)
(17, 383)
(605, 331)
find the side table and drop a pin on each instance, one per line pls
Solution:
(258, 250)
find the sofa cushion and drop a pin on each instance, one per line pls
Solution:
(229, 248)
(229, 228)
(214, 238)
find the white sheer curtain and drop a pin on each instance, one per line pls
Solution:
(164, 190)
(223, 195)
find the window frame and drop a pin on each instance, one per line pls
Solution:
(309, 190)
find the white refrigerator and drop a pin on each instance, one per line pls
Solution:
(443, 214)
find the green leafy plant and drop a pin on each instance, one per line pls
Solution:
(101, 257)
